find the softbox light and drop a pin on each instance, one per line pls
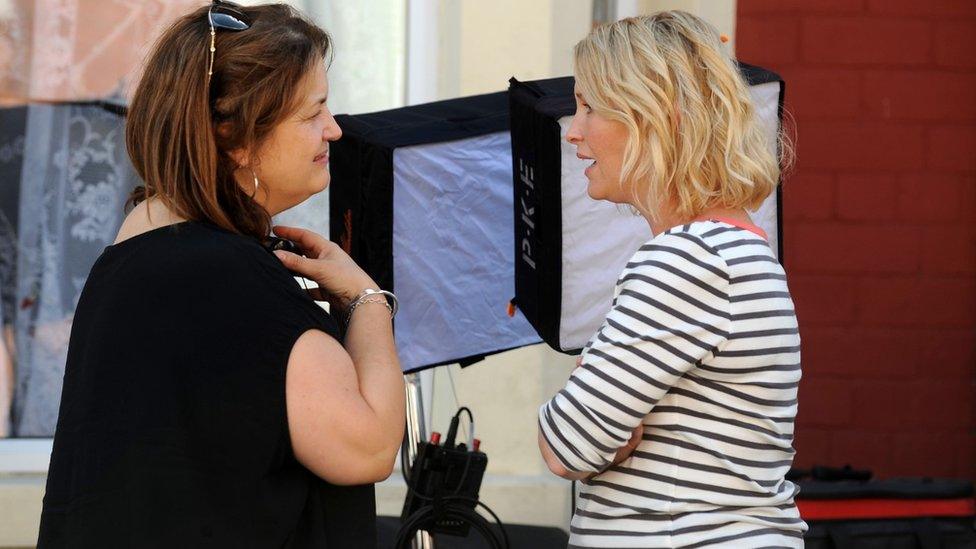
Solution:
(421, 198)
(569, 248)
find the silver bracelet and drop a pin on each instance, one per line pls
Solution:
(368, 296)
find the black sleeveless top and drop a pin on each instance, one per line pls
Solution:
(173, 430)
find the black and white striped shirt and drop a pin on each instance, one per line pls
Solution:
(702, 347)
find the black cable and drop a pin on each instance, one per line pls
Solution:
(403, 471)
(464, 473)
(457, 488)
(572, 497)
(457, 415)
(498, 521)
(439, 501)
(465, 409)
(443, 509)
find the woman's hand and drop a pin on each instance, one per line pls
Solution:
(325, 263)
(635, 439)
(624, 452)
(559, 470)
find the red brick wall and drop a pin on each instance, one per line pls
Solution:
(879, 225)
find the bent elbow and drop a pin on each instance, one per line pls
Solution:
(554, 464)
(560, 471)
(557, 468)
(362, 473)
(384, 461)
(364, 470)
(350, 467)
(382, 469)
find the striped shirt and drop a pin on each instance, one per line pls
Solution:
(701, 346)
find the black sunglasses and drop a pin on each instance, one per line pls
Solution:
(227, 17)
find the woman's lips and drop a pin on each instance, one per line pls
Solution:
(321, 159)
(589, 168)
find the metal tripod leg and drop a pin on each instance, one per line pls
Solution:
(416, 432)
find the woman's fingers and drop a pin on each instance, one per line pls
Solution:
(635, 439)
(636, 436)
(313, 244)
(336, 273)
(295, 263)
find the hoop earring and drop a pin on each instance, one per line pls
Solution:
(256, 182)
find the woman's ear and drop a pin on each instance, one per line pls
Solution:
(238, 155)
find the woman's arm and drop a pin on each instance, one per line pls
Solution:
(558, 469)
(671, 311)
(556, 466)
(346, 409)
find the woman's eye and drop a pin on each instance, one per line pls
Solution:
(314, 116)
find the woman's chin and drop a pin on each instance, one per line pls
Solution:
(321, 184)
(596, 191)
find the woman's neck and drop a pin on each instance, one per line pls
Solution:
(147, 215)
(669, 219)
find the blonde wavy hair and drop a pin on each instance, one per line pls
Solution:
(693, 134)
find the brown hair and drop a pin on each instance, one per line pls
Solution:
(172, 129)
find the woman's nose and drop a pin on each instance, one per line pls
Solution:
(332, 130)
(573, 135)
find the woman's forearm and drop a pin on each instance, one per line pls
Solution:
(369, 342)
(553, 463)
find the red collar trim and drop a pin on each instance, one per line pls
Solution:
(736, 223)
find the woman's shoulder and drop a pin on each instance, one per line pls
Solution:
(716, 242)
(678, 261)
(191, 253)
(723, 234)
(239, 258)
(220, 248)
(198, 243)
(680, 245)
(201, 262)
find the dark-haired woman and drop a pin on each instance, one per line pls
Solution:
(207, 400)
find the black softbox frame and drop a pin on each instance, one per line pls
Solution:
(421, 199)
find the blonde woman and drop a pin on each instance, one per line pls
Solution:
(679, 420)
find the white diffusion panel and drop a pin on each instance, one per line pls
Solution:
(598, 239)
(765, 98)
(453, 250)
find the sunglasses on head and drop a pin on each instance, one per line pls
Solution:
(227, 17)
